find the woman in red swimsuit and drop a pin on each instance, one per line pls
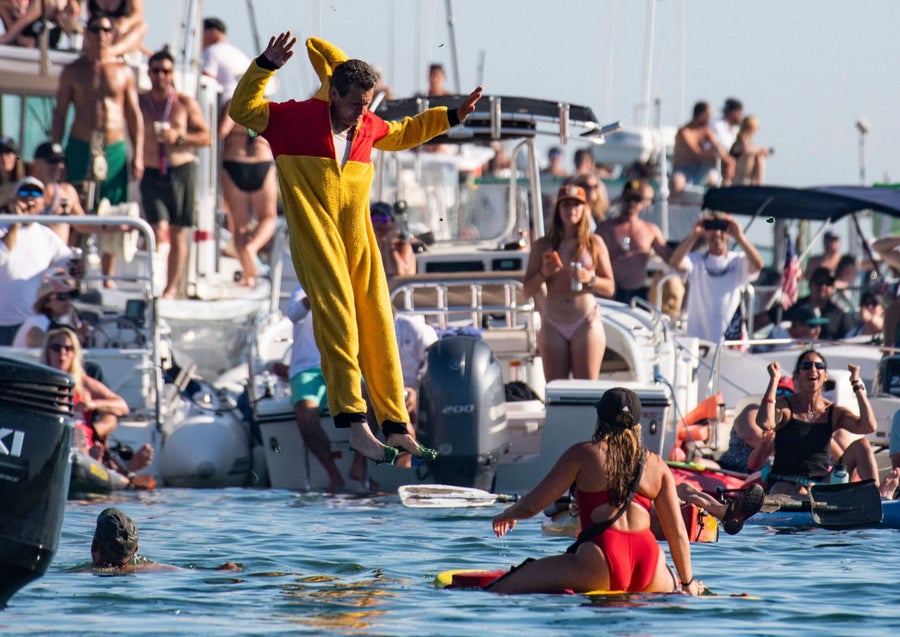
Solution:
(574, 263)
(624, 556)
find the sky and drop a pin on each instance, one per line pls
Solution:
(808, 69)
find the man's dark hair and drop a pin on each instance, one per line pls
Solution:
(582, 155)
(214, 23)
(162, 54)
(700, 108)
(98, 15)
(732, 104)
(353, 73)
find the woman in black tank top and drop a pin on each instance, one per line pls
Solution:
(800, 428)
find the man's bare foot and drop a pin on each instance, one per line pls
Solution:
(169, 294)
(141, 458)
(407, 442)
(362, 440)
(109, 284)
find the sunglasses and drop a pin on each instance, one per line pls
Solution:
(158, 70)
(59, 347)
(784, 391)
(62, 296)
(97, 28)
(380, 218)
(808, 365)
(26, 193)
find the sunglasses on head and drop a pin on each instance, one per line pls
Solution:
(59, 347)
(26, 193)
(808, 365)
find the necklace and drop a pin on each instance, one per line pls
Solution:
(810, 414)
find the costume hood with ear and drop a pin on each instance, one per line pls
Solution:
(324, 56)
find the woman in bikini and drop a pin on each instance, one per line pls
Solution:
(574, 263)
(611, 473)
(250, 191)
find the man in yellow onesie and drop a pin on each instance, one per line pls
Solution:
(322, 149)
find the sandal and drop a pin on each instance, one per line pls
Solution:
(746, 504)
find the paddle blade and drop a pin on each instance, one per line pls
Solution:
(445, 496)
(841, 506)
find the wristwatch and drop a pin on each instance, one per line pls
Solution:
(180, 141)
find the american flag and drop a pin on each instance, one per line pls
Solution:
(791, 277)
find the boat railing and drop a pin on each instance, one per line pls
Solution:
(496, 303)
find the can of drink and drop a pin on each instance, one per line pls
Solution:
(576, 282)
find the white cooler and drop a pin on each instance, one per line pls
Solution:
(571, 416)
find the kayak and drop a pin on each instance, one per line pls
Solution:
(804, 519)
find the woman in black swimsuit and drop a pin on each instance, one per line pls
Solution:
(250, 190)
(801, 427)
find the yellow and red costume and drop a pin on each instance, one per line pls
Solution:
(333, 246)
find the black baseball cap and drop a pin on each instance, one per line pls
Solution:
(50, 151)
(8, 145)
(116, 536)
(619, 407)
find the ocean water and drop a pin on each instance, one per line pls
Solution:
(366, 565)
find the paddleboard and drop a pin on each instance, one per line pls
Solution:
(479, 578)
(475, 578)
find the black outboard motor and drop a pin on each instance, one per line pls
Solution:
(36, 434)
(462, 411)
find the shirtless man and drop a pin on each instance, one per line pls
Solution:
(60, 197)
(173, 128)
(630, 240)
(829, 258)
(103, 92)
(696, 149)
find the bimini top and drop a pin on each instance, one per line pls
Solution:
(822, 203)
(502, 117)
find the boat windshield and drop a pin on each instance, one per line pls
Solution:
(449, 201)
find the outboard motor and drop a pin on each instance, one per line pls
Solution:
(36, 434)
(462, 411)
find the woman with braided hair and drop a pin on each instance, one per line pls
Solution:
(616, 482)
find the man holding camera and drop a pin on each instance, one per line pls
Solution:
(716, 277)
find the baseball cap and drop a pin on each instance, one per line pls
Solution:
(50, 151)
(381, 208)
(830, 236)
(571, 191)
(634, 189)
(8, 145)
(32, 183)
(808, 314)
(785, 383)
(556, 151)
(619, 406)
(52, 285)
(116, 536)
